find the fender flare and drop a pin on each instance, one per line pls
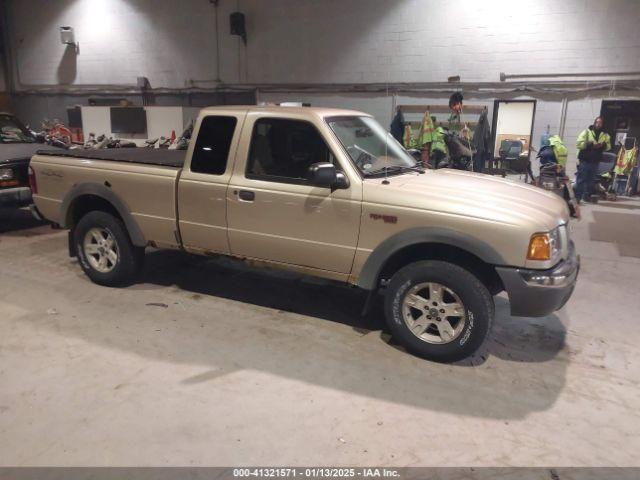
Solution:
(368, 278)
(104, 192)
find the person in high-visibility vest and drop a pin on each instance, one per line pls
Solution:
(559, 150)
(592, 142)
(553, 152)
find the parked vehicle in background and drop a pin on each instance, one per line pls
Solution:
(17, 146)
(327, 193)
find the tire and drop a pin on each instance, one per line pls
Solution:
(115, 271)
(447, 337)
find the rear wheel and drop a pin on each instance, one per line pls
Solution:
(105, 251)
(438, 310)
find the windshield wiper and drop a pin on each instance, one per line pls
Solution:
(394, 169)
(414, 168)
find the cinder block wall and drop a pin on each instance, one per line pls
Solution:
(328, 41)
(321, 40)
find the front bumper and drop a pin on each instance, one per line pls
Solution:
(536, 293)
(15, 197)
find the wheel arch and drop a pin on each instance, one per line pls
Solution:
(86, 197)
(432, 244)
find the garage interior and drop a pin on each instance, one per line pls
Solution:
(208, 362)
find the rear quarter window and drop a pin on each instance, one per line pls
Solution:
(211, 152)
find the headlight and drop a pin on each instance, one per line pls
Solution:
(6, 174)
(544, 246)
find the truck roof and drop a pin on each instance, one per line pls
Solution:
(280, 110)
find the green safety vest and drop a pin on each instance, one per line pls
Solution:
(559, 150)
(438, 141)
(589, 135)
(427, 131)
(407, 139)
(626, 161)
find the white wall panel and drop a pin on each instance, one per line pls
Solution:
(321, 41)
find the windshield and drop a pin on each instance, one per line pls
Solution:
(373, 150)
(12, 131)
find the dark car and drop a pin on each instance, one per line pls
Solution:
(17, 146)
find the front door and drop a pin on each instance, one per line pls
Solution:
(275, 215)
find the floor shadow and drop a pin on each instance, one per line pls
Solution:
(513, 339)
(18, 222)
(537, 344)
(288, 292)
(227, 318)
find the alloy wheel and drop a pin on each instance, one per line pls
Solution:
(434, 313)
(101, 249)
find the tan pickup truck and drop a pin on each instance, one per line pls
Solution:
(328, 193)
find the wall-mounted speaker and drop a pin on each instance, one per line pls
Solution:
(236, 21)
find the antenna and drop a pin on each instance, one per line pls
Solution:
(386, 139)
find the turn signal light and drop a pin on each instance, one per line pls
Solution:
(539, 247)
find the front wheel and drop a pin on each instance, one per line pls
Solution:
(438, 310)
(105, 251)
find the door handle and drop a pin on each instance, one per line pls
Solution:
(247, 195)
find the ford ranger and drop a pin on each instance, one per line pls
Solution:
(328, 193)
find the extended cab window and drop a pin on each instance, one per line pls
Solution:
(283, 150)
(211, 152)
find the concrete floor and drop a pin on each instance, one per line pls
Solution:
(208, 363)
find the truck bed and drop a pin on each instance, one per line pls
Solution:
(143, 179)
(145, 156)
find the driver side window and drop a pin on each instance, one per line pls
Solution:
(283, 150)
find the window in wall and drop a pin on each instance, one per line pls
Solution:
(211, 152)
(283, 150)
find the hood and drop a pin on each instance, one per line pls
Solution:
(21, 151)
(472, 195)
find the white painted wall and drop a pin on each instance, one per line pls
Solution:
(321, 40)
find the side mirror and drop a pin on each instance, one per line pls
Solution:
(341, 181)
(322, 174)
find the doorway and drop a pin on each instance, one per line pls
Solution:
(513, 133)
(621, 119)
